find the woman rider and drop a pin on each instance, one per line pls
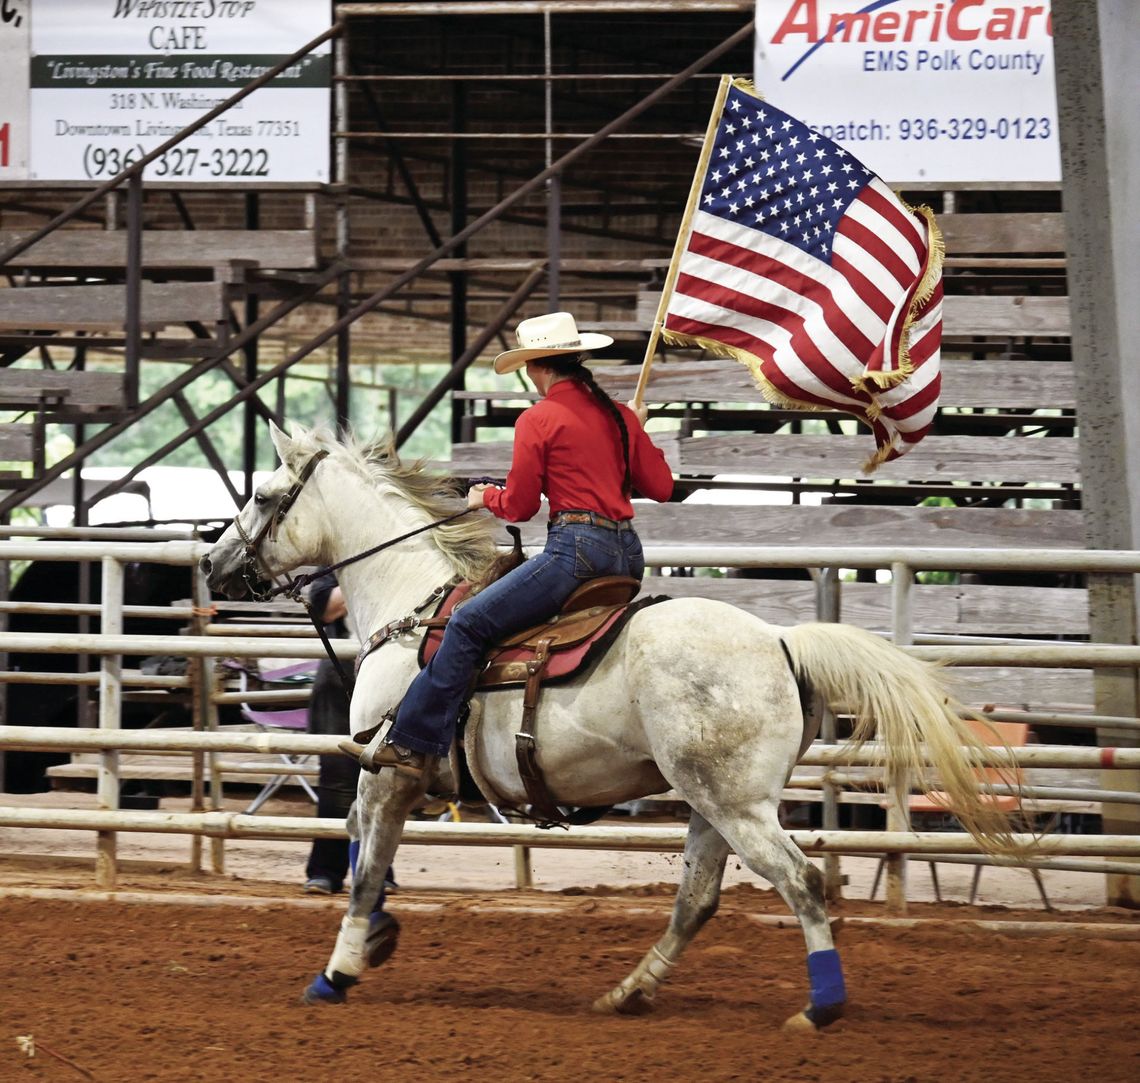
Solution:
(586, 453)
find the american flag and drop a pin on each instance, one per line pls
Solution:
(797, 260)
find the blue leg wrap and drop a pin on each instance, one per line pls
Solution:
(353, 854)
(322, 991)
(828, 993)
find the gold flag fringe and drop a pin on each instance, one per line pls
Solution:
(769, 390)
(881, 455)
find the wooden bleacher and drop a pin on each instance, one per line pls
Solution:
(92, 250)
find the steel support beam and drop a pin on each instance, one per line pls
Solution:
(1098, 85)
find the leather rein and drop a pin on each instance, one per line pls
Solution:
(254, 566)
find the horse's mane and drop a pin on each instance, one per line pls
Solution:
(466, 542)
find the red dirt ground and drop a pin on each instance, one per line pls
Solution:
(481, 989)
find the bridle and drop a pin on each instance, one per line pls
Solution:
(253, 566)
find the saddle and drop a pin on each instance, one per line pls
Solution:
(562, 642)
(553, 651)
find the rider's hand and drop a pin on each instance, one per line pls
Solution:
(475, 496)
(640, 409)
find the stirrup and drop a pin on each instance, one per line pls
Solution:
(405, 761)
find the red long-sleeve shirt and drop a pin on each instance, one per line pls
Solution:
(568, 446)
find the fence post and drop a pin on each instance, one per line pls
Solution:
(898, 784)
(827, 609)
(110, 718)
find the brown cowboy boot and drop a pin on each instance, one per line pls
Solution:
(404, 760)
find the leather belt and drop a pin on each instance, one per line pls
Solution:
(590, 518)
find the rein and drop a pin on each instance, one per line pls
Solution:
(294, 585)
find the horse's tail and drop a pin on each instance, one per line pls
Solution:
(915, 715)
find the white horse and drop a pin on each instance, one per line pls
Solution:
(695, 696)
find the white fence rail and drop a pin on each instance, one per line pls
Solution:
(204, 742)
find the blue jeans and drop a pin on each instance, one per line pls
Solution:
(526, 596)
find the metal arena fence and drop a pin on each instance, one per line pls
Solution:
(205, 643)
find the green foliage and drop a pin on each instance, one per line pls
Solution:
(308, 401)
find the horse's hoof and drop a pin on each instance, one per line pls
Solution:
(800, 1024)
(322, 991)
(383, 936)
(619, 1002)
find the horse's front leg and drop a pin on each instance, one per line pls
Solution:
(697, 899)
(368, 933)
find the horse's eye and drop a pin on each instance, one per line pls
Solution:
(260, 499)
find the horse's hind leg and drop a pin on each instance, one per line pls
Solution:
(697, 897)
(766, 849)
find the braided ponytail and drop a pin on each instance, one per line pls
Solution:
(576, 370)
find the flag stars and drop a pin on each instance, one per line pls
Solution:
(714, 176)
(733, 207)
(725, 193)
(745, 122)
(786, 124)
(730, 129)
(735, 105)
(708, 199)
(740, 147)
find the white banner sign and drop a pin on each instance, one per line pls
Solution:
(919, 90)
(14, 38)
(113, 79)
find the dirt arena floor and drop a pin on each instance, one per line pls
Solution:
(496, 984)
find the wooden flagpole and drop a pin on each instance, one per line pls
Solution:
(682, 238)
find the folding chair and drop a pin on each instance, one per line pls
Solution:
(294, 720)
(1013, 734)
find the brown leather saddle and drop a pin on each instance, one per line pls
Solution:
(555, 650)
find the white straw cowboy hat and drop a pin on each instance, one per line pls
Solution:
(548, 336)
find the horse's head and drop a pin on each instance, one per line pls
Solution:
(274, 533)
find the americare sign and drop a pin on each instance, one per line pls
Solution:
(110, 80)
(943, 91)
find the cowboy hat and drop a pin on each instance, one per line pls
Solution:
(548, 336)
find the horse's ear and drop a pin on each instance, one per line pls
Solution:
(282, 442)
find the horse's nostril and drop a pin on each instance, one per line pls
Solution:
(205, 565)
